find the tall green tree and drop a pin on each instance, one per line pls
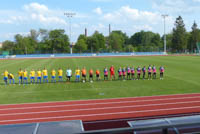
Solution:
(91, 42)
(20, 44)
(81, 46)
(82, 36)
(169, 41)
(24, 45)
(194, 37)
(136, 39)
(34, 35)
(156, 40)
(146, 41)
(179, 39)
(58, 41)
(116, 41)
(43, 34)
(43, 44)
(96, 42)
(125, 37)
(100, 40)
(30, 45)
(8, 46)
(129, 48)
(33, 41)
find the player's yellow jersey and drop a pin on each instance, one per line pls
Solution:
(78, 72)
(32, 73)
(25, 74)
(60, 72)
(11, 76)
(53, 73)
(44, 72)
(39, 73)
(20, 73)
(5, 74)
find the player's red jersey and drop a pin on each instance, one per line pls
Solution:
(112, 71)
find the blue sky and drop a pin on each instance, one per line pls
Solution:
(130, 16)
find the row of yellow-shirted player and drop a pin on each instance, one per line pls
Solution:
(33, 73)
(23, 75)
(39, 73)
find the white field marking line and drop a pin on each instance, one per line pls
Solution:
(29, 92)
(89, 104)
(103, 108)
(104, 114)
(105, 99)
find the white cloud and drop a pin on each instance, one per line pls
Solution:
(177, 7)
(75, 26)
(35, 16)
(8, 36)
(43, 14)
(47, 19)
(33, 13)
(142, 27)
(98, 11)
(3, 21)
(131, 20)
(126, 14)
(13, 20)
(101, 0)
(36, 7)
(98, 27)
(16, 18)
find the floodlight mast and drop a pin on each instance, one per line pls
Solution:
(165, 42)
(69, 16)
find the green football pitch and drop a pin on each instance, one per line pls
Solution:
(181, 76)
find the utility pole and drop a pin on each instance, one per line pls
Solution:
(109, 29)
(69, 16)
(165, 42)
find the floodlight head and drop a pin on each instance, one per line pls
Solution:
(68, 14)
(165, 15)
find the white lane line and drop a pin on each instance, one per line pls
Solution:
(102, 108)
(105, 103)
(52, 102)
(104, 114)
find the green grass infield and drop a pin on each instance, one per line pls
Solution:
(181, 76)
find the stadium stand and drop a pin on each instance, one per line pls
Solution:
(64, 127)
(176, 125)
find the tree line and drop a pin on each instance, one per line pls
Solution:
(56, 41)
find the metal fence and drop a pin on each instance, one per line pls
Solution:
(83, 55)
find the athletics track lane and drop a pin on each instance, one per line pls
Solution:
(106, 109)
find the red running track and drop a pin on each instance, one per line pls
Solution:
(97, 110)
